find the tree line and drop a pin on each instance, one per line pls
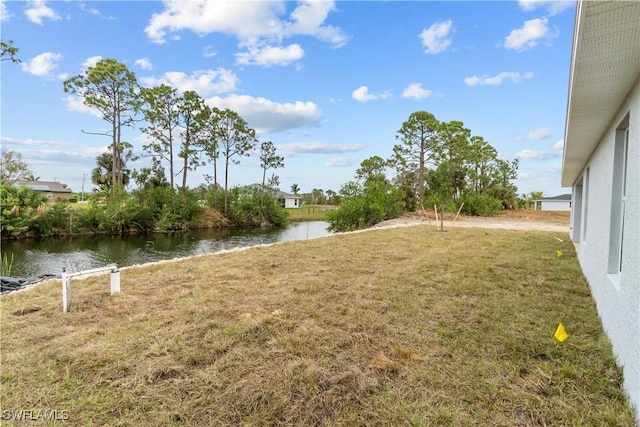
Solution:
(183, 134)
(433, 163)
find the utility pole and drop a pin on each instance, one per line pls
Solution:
(82, 197)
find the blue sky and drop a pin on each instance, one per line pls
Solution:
(329, 83)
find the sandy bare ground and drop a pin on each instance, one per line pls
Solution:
(537, 223)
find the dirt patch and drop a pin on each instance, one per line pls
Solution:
(510, 220)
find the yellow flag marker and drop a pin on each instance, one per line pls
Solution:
(559, 253)
(560, 334)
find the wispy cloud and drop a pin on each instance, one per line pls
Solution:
(4, 13)
(536, 135)
(75, 103)
(205, 82)
(208, 52)
(29, 142)
(317, 148)
(553, 7)
(91, 62)
(496, 80)
(537, 154)
(144, 63)
(542, 154)
(91, 10)
(340, 162)
(270, 55)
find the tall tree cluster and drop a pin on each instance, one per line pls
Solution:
(442, 162)
(183, 132)
(436, 163)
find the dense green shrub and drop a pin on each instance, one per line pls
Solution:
(53, 220)
(20, 206)
(480, 205)
(250, 208)
(366, 205)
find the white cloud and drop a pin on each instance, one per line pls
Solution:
(270, 55)
(29, 142)
(205, 82)
(362, 95)
(253, 23)
(91, 62)
(87, 9)
(208, 52)
(415, 90)
(75, 103)
(559, 145)
(496, 80)
(434, 39)
(41, 65)
(536, 135)
(537, 154)
(529, 35)
(317, 148)
(37, 10)
(144, 63)
(266, 116)
(554, 7)
(307, 19)
(4, 13)
(339, 162)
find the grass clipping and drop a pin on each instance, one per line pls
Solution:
(388, 327)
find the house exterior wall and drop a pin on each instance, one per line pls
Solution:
(291, 202)
(555, 205)
(59, 196)
(617, 295)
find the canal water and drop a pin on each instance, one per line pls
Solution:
(35, 257)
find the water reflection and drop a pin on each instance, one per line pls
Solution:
(50, 256)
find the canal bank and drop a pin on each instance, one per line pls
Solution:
(50, 256)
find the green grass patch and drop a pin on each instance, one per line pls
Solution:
(310, 213)
(387, 327)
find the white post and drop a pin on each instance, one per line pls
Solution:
(66, 282)
(66, 292)
(115, 281)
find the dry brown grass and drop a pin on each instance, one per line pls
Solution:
(211, 218)
(521, 214)
(558, 217)
(388, 327)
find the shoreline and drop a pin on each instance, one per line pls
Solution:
(411, 220)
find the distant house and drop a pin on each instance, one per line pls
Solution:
(289, 200)
(53, 190)
(286, 200)
(601, 162)
(557, 203)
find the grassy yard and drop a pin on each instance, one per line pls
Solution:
(388, 327)
(310, 213)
